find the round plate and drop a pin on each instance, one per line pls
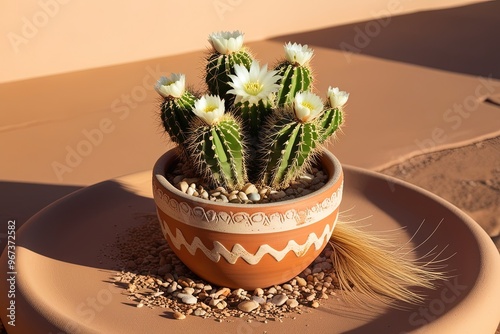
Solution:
(62, 280)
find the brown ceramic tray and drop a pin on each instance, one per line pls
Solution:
(63, 277)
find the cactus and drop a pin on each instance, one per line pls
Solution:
(291, 141)
(253, 88)
(176, 115)
(216, 145)
(295, 72)
(223, 58)
(176, 106)
(292, 147)
(253, 115)
(333, 117)
(329, 122)
(274, 126)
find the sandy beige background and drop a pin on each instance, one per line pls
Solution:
(45, 37)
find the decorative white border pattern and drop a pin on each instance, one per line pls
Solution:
(243, 222)
(238, 251)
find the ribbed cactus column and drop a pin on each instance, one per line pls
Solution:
(176, 115)
(290, 150)
(333, 117)
(218, 153)
(227, 51)
(176, 106)
(253, 115)
(291, 140)
(329, 122)
(215, 144)
(295, 71)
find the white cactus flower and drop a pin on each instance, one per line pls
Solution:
(297, 53)
(210, 108)
(226, 42)
(172, 86)
(337, 97)
(253, 85)
(307, 106)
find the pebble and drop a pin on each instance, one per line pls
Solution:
(183, 186)
(311, 297)
(187, 299)
(200, 312)
(301, 281)
(260, 300)
(254, 197)
(224, 198)
(292, 303)
(279, 300)
(248, 305)
(179, 316)
(249, 188)
(249, 193)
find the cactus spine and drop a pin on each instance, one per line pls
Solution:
(253, 115)
(290, 148)
(296, 78)
(176, 115)
(330, 121)
(218, 151)
(220, 66)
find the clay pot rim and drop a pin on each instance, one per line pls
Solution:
(326, 157)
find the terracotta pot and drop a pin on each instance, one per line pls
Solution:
(247, 245)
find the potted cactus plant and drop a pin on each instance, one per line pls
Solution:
(248, 149)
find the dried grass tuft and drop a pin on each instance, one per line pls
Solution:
(368, 263)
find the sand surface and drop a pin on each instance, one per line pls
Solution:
(468, 177)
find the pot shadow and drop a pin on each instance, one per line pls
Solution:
(458, 39)
(82, 227)
(21, 200)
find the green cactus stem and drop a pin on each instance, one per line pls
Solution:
(295, 78)
(176, 115)
(289, 148)
(218, 152)
(253, 116)
(220, 66)
(330, 121)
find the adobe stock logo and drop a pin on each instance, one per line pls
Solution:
(31, 25)
(221, 7)
(425, 314)
(91, 138)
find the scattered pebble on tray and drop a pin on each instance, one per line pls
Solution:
(152, 276)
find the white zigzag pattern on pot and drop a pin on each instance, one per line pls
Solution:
(239, 251)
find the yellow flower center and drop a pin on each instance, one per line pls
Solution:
(253, 88)
(210, 108)
(308, 105)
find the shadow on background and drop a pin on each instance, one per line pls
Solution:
(461, 39)
(20, 201)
